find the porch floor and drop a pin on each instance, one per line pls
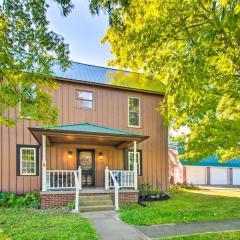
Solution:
(89, 190)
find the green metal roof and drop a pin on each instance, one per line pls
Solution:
(90, 128)
(108, 76)
(211, 161)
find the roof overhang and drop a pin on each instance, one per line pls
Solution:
(81, 137)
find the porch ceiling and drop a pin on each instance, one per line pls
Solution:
(87, 134)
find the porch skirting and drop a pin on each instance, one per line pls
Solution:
(51, 199)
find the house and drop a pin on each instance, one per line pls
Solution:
(208, 171)
(109, 137)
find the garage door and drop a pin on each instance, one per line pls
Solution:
(196, 175)
(236, 176)
(218, 176)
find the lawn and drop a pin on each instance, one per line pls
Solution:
(37, 224)
(234, 235)
(185, 206)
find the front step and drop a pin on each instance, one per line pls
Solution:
(101, 202)
(96, 208)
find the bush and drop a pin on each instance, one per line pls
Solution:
(180, 186)
(30, 200)
(145, 189)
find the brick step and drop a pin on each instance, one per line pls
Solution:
(98, 197)
(96, 208)
(94, 202)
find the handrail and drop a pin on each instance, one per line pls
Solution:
(116, 187)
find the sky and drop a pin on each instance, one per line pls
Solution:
(82, 31)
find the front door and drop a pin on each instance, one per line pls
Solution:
(86, 159)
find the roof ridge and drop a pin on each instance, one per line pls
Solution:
(72, 124)
(111, 128)
(88, 64)
(101, 126)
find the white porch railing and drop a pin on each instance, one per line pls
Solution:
(119, 179)
(125, 179)
(60, 179)
(116, 188)
(65, 179)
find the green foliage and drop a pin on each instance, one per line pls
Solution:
(28, 52)
(22, 224)
(135, 80)
(71, 205)
(181, 186)
(145, 189)
(185, 206)
(29, 200)
(192, 46)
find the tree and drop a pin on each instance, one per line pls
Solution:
(28, 52)
(193, 46)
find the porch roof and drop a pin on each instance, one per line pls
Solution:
(86, 133)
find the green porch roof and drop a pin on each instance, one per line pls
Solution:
(90, 128)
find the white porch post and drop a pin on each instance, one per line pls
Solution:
(135, 164)
(44, 187)
(80, 177)
(106, 178)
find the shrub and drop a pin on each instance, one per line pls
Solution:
(71, 205)
(145, 189)
(30, 200)
(180, 186)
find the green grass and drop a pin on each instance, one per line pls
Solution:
(37, 224)
(234, 235)
(185, 206)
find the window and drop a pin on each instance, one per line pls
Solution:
(131, 161)
(133, 112)
(84, 99)
(27, 160)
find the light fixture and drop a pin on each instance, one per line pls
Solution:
(69, 154)
(100, 156)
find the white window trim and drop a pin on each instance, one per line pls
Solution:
(133, 126)
(35, 162)
(138, 164)
(82, 90)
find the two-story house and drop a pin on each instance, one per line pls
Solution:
(107, 136)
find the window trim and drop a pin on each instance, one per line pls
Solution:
(19, 161)
(127, 160)
(77, 98)
(139, 99)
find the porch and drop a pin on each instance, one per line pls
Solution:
(92, 160)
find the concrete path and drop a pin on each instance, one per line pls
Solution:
(167, 230)
(109, 227)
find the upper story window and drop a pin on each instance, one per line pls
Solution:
(134, 112)
(27, 160)
(84, 99)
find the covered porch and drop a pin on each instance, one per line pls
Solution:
(86, 157)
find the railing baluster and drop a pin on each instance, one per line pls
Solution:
(62, 178)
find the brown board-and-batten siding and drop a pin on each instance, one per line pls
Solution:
(111, 110)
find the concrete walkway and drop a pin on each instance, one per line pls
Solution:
(168, 230)
(109, 227)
